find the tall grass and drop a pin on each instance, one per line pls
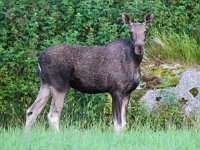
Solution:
(96, 139)
(173, 47)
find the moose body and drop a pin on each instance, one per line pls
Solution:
(93, 69)
(112, 68)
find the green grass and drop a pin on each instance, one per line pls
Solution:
(173, 47)
(96, 139)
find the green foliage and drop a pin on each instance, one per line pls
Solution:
(84, 109)
(167, 113)
(27, 27)
(170, 46)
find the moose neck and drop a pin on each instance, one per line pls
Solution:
(137, 59)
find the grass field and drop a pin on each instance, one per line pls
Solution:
(96, 139)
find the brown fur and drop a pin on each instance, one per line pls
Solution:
(113, 68)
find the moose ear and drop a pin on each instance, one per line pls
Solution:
(126, 19)
(148, 18)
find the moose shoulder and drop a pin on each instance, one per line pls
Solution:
(113, 68)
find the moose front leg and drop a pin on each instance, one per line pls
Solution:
(124, 110)
(119, 109)
(116, 110)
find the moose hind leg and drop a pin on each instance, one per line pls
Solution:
(56, 108)
(124, 110)
(37, 106)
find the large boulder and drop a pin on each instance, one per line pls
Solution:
(186, 92)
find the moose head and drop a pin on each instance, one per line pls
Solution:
(138, 31)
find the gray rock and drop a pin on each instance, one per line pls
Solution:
(172, 67)
(189, 79)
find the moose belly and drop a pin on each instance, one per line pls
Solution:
(88, 85)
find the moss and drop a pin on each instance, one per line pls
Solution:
(159, 77)
(168, 82)
(137, 94)
(183, 101)
(163, 71)
(194, 91)
(108, 105)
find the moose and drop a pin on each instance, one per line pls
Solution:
(112, 68)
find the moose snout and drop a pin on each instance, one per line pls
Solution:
(139, 44)
(139, 48)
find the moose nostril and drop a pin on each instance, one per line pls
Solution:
(29, 113)
(139, 46)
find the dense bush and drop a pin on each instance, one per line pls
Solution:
(27, 27)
